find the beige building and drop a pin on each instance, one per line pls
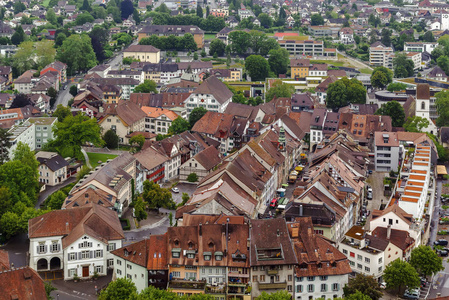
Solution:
(144, 53)
(201, 164)
(123, 118)
(52, 168)
(380, 55)
(416, 58)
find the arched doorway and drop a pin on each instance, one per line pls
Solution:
(55, 263)
(42, 264)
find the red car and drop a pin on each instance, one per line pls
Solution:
(274, 202)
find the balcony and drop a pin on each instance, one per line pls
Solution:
(210, 289)
(272, 271)
(273, 286)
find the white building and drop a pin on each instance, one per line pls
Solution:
(346, 35)
(444, 22)
(380, 55)
(420, 46)
(75, 240)
(416, 58)
(212, 94)
(22, 133)
(158, 120)
(425, 107)
(387, 151)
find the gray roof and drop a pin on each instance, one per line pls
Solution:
(52, 160)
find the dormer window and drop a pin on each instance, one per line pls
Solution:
(190, 244)
(218, 255)
(211, 245)
(207, 256)
(176, 243)
(190, 253)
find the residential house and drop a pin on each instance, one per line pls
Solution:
(43, 130)
(101, 70)
(225, 74)
(176, 30)
(302, 102)
(299, 68)
(151, 166)
(321, 89)
(127, 85)
(137, 75)
(346, 35)
(6, 72)
(415, 57)
(420, 46)
(144, 53)
(52, 168)
(307, 47)
(272, 257)
(91, 194)
(318, 70)
(171, 151)
(321, 271)
(381, 55)
(437, 74)
(123, 118)
(201, 164)
(387, 152)
(58, 67)
(77, 241)
(22, 283)
(158, 120)
(25, 82)
(114, 178)
(212, 94)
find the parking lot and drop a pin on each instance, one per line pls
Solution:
(188, 188)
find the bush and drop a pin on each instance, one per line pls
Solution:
(127, 226)
(192, 177)
(442, 232)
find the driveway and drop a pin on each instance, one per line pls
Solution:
(51, 189)
(188, 188)
(17, 248)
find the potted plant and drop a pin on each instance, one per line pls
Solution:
(95, 276)
(75, 277)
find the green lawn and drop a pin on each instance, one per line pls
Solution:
(95, 157)
(45, 3)
(366, 71)
(329, 62)
(209, 36)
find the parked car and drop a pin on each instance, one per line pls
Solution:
(175, 190)
(383, 285)
(442, 252)
(274, 203)
(423, 282)
(440, 242)
(411, 294)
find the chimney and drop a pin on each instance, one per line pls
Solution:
(277, 232)
(388, 232)
(300, 210)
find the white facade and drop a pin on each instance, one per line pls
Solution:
(84, 257)
(416, 58)
(444, 21)
(420, 46)
(207, 101)
(22, 133)
(380, 56)
(386, 158)
(172, 165)
(136, 273)
(315, 287)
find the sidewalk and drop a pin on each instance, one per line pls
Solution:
(81, 289)
(152, 220)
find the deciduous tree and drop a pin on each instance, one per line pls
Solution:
(381, 77)
(257, 67)
(148, 86)
(416, 124)
(196, 114)
(367, 285)
(5, 144)
(137, 141)
(76, 51)
(400, 273)
(179, 125)
(279, 60)
(279, 89)
(111, 139)
(395, 111)
(442, 104)
(217, 47)
(156, 196)
(120, 289)
(425, 260)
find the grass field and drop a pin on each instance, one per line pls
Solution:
(366, 71)
(45, 3)
(94, 158)
(329, 62)
(209, 36)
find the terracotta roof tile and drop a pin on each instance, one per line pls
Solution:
(23, 283)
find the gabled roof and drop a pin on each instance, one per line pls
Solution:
(89, 194)
(22, 284)
(407, 218)
(157, 252)
(94, 220)
(4, 260)
(127, 111)
(52, 160)
(399, 238)
(136, 253)
(208, 158)
(142, 48)
(213, 86)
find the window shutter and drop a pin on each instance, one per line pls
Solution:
(45, 248)
(76, 255)
(59, 247)
(68, 256)
(101, 253)
(37, 249)
(91, 254)
(80, 255)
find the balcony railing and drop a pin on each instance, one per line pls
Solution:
(272, 286)
(272, 271)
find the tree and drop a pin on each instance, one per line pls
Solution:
(72, 133)
(400, 273)
(19, 7)
(265, 20)
(345, 91)
(279, 89)
(196, 114)
(23, 59)
(396, 86)
(137, 140)
(21, 180)
(111, 139)
(416, 124)
(280, 295)
(5, 144)
(56, 200)
(358, 296)
(199, 11)
(239, 41)
(51, 16)
(100, 38)
(178, 125)
(140, 209)
(84, 18)
(195, 55)
(120, 289)
(192, 177)
(317, 20)
(442, 104)
(154, 293)
(9, 224)
(217, 47)
(395, 111)
(148, 86)
(386, 37)
(21, 100)
(257, 67)
(367, 285)
(45, 53)
(60, 38)
(53, 94)
(18, 36)
(443, 63)
(73, 90)
(426, 261)
(86, 6)
(279, 60)
(381, 77)
(156, 196)
(62, 112)
(127, 9)
(428, 37)
(76, 51)
(403, 67)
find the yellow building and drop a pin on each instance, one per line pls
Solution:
(299, 68)
(144, 53)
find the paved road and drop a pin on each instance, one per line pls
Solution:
(17, 248)
(64, 96)
(51, 189)
(140, 234)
